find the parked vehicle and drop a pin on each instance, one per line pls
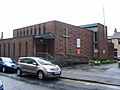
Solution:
(37, 66)
(117, 58)
(1, 85)
(7, 64)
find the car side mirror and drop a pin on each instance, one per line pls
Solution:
(35, 63)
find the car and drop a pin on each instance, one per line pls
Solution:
(7, 64)
(38, 66)
(117, 58)
(1, 85)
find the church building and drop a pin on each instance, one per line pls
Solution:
(58, 41)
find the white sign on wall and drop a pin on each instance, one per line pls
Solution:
(78, 43)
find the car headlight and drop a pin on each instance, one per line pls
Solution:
(48, 69)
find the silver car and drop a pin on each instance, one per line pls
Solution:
(38, 66)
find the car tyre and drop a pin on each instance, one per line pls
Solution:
(3, 69)
(40, 75)
(19, 72)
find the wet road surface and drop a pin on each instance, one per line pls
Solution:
(29, 82)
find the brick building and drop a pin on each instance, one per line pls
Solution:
(57, 40)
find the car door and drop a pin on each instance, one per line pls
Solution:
(32, 66)
(24, 64)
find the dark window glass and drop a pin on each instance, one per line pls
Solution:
(17, 33)
(23, 32)
(39, 30)
(27, 31)
(115, 52)
(95, 36)
(19, 49)
(118, 41)
(4, 50)
(26, 49)
(8, 50)
(96, 46)
(13, 49)
(31, 30)
(35, 31)
(44, 29)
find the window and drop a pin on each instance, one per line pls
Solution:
(19, 49)
(8, 50)
(27, 32)
(115, 52)
(23, 32)
(39, 30)
(17, 33)
(118, 41)
(26, 49)
(31, 30)
(44, 29)
(13, 49)
(96, 46)
(20, 33)
(35, 31)
(95, 36)
(4, 50)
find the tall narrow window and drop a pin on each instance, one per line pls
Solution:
(115, 52)
(23, 32)
(13, 49)
(26, 49)
(31, 30)
(95, 36)
(17, 33)
(20, 33)
(19, 49)
(35, 31)
(44, 29)
(4, 50)
(27, 31)
(39, 30)
(8, 50)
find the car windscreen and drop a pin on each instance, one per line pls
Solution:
(7, 60)
(43, 62)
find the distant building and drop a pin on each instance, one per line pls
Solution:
(58, 41)
(115, 39)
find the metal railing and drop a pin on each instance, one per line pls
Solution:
(45, 55)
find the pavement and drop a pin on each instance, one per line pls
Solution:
(103, 74)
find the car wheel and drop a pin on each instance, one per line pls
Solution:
(40, 75)
(3, 69)
(19, 72)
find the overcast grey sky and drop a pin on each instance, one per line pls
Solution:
(20, 13)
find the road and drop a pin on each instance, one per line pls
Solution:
(27, 82)
(11, 84)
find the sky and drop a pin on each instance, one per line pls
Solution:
(21, 13)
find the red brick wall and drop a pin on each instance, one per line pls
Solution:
(102, 42)
(86, 37)
(22, 40)
(34, 29)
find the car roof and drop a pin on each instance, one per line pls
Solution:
(5, 57)
(31, 57)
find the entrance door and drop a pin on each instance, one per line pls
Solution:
(40, 48)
